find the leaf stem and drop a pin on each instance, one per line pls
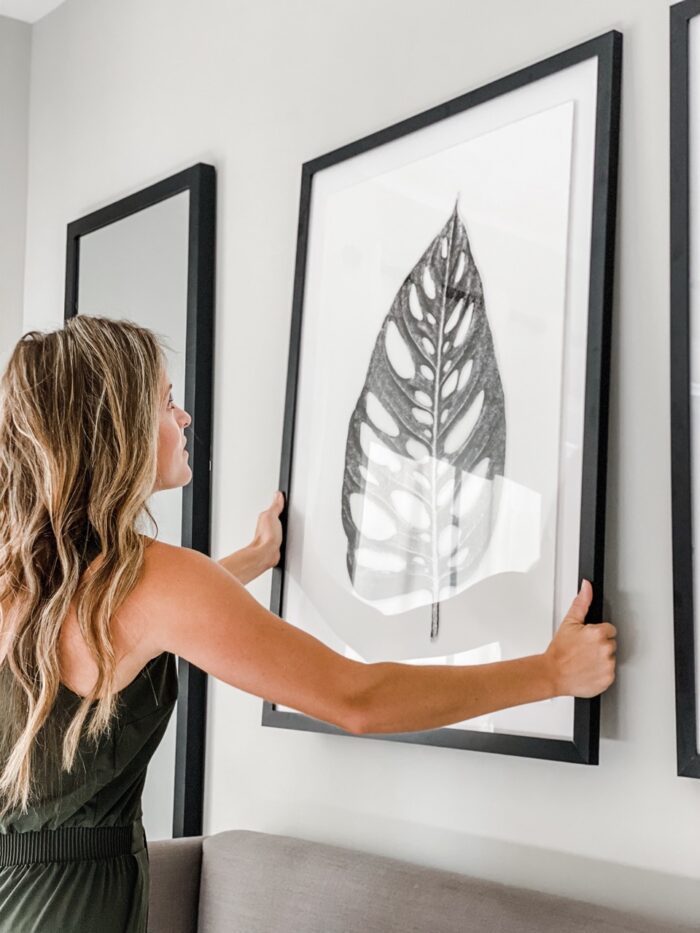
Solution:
(434, 621)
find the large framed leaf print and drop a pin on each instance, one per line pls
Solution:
(446, 415)
(685, 374)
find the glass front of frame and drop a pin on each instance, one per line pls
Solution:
(436, 473)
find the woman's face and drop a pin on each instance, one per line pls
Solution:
(173, 467)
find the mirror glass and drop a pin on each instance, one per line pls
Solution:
(136, 268)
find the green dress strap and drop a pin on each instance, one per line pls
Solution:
(108, 894)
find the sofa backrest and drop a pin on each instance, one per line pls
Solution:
(175, 868)
(259, 883)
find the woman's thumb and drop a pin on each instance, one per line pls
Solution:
(580, 605)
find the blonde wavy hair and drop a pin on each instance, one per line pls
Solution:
(79, 416)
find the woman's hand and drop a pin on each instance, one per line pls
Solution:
(268, 532)
(264, 552)
(581, 657)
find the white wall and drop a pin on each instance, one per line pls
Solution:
(125, 93)
(15, 41)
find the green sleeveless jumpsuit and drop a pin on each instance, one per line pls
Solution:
(79, 862)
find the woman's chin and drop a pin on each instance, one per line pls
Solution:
(180, 478)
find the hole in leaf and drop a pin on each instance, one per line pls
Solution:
(417, 450)
(410, 508)
(375, 451)
(464, 325)
(367, 475)
(464, 427)
(454, 317)
(459, 271)
(465, 374)
(414, 303)
(370, 519)
(459, 557)
(450, 384)
(398, 353)
(379, 416)
(422, 416)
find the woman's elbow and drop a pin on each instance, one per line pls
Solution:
(338, 695)
(356, 722)
(358, 709)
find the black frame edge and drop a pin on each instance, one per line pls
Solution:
(598, 356)
(687, 752)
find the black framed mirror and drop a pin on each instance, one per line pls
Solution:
(150, 257)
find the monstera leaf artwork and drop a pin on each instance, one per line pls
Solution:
(427, 438)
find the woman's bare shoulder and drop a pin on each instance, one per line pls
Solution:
(165, 564)
(138, 623)
(172, 576)
(134, 625)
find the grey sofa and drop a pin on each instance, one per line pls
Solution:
(246, 882)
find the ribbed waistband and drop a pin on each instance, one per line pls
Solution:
(71, 843)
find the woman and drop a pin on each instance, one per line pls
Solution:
(92, 613)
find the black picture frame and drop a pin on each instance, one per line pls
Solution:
(688, 754)
(200, 181)
(584, 748)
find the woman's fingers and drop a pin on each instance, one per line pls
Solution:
(583, 656)
(581, 604)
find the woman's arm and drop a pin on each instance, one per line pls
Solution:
(580, 661)
(202, 613)
(264, 551)
(199, 611)
(248, 563)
